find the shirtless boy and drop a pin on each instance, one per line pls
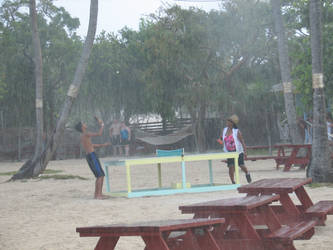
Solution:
(91, 156)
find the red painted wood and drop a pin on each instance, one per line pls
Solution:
(304, 198)
(154, 243)
(190, 240)
(238, 231)
(245, 227)
(107, 243)
(292, 231)
(268, 216)
(149, 227)
(208, 241)
(283, 238)
(292, 158)
(321, 207)
(231, 205)
(283, 157)
(276, 185)
(241, 244)
(288, 211)
(155, 233)
(289, 206)
(320, 210)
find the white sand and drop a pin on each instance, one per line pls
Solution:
(44, 214)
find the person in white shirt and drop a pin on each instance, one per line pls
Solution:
(232, 141)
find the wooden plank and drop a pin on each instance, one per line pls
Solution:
(292, 231)
(321, 207)
(232, 205)
(276, 185)
(149, 226)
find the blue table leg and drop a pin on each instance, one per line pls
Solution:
(159, 173)
(183, 174)
(107, 178)
(211, 181)
(236, 170)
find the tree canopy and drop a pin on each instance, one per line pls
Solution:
(179, 61)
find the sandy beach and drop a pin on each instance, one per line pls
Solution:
(42, 214)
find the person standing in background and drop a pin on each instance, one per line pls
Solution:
(232, 141)
(125, 137)
(329, 122)
(114, 133)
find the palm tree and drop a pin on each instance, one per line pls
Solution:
(320, 166)
(285, 73)
(38, 164)
(38, 78)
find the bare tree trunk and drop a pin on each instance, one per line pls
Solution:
(320, 166)
(198, 126)
(285, 73)
(38, 79)
(34, 167)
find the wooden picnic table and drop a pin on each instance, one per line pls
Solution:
(240, 232)
(193, 234)
(295, 157)
(288, 211)
(287, 155)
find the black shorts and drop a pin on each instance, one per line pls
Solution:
(125, 142)
(115, 140)
(231, 161)
(95, 164)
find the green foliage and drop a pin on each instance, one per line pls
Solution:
(297, 15)
(189, 60)
(61, 177)
(321, 184)
(8, 173)
(47, 171)
(17, 88)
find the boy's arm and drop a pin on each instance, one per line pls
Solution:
(100, 132)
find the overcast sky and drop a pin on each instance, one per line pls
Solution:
(113, 15)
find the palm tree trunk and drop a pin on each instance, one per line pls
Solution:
(38, 79)
(285, 73)
(320, 166)
(34, 167)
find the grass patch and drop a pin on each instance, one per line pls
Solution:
(61, 177)
(322, 184)
(258, 151)
(47, 171)
(8, 173)
(51, 171)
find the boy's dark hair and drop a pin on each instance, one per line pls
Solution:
(78, 127)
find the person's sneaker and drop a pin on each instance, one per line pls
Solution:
(248, 178)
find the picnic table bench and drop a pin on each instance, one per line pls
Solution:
(288, 211)
(287, 155)
(191, 234)
(284, 236)
(241, 232)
